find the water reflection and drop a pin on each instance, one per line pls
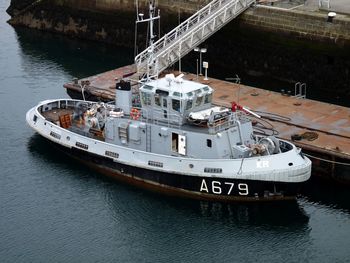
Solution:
(44, 150)
(329, 194)
(286, 214)
(47, 156)
(76, 57)
(195, 228)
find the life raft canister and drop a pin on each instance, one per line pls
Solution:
(135, 114)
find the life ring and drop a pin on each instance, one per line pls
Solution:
(135, 114)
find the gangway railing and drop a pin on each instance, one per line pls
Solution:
(189, 34)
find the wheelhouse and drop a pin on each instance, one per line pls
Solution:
(173, 99)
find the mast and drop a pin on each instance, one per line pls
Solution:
(151, 62)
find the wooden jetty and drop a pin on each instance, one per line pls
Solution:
(321, 129)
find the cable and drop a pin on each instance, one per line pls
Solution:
(82, 91)
(262, 126)
(325, 160)
(240, 168)
(273, 116)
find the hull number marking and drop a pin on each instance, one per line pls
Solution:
(226, 188)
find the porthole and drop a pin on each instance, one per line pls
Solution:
(290, 164)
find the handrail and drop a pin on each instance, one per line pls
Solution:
(223, 123)
(173, 34)
(196, 24)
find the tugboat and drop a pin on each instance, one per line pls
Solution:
(168, 146)
(175, 142)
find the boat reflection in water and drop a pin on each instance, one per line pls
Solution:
(322, 192)
(288, 214)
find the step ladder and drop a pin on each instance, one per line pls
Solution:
(189, 34)
(123, 132)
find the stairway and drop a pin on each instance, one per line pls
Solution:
(189, 34)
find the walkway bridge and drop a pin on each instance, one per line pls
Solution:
(189, 34)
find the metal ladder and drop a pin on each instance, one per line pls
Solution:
(300, 90)
(148, 137)
(189, 34)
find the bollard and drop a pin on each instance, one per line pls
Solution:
(331, 16)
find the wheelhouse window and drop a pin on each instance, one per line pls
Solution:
(148, 87)
(198, 91)
(177, 94)
(146, 98)
(189, 104)
(157, 100)
(199, 100)
(208, 98)
(176, 105)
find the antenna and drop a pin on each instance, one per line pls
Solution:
(237, 80)
(151, 63)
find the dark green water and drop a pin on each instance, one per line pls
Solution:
(54, 210)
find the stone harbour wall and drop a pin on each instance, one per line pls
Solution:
(110, 21)
(285, 46)
(299, 24)
(107, 20)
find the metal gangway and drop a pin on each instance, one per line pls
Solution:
(189, 34)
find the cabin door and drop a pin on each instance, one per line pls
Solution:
(182, 144)
(178, 143)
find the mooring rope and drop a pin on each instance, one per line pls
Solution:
(325, 160)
